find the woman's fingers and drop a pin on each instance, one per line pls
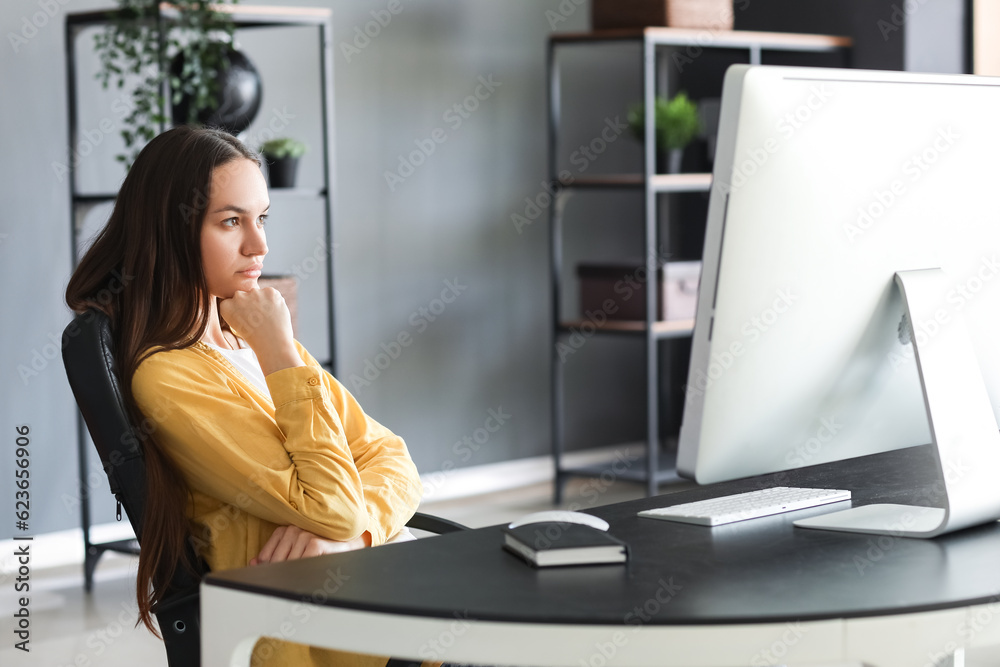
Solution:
(261, 317)
(293, 543)
(258, 315)
(265, 554)
(302, 541)
(312, 549)
(286, 545)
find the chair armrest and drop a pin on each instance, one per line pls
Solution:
(177, 601)
(434, 524)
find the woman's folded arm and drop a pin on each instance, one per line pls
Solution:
(390, 482)
(297, 468)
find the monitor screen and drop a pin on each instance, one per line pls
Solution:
(828, 182)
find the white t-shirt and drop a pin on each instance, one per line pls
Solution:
(245, 361)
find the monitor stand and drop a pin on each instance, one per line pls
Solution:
(963, 428)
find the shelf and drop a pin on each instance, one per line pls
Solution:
(304, 19)
(303, 193)
(662, 330)
(634, 473)
(129, 546)
(682, 182)
(660, 182)
(634, 468)
(248, 15)
(244, 16)
(716, 39)
(616, 181)
(656, 45)
(94, 199)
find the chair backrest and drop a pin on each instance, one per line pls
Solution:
(87, 349)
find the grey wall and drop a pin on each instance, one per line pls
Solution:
(934, 36)
(396, 248)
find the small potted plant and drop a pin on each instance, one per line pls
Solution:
(282, 156)
(677, 124)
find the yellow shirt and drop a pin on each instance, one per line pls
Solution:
(305, 455)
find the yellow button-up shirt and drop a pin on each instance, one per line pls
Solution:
(306, 455)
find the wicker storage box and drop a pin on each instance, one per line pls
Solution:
(618, 14)
(616, 291)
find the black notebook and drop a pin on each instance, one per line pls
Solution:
(553, 543)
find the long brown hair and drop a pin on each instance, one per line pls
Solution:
(144, 270)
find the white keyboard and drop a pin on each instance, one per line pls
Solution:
(750, 505)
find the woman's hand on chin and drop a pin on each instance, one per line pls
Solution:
(261, 317)
(292, 543)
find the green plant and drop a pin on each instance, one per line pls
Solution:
(137, 45)
(283, 147)
(677, 121)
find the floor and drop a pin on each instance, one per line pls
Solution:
(72, 628)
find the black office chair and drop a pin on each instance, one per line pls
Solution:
(90, 366)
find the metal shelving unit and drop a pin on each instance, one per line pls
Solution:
(244, 17)
(656, 45)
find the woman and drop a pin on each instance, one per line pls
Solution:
(252, 450)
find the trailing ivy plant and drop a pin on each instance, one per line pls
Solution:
(132, 47)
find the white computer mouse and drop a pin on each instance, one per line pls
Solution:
(562, 516)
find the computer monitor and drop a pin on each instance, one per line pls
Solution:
(842, 199)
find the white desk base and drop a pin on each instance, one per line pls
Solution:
(232, 621)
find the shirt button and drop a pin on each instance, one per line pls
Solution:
(313, 381)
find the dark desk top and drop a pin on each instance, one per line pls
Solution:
(764, 570)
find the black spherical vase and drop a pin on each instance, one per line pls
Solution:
(281, 171)
(237, 98)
